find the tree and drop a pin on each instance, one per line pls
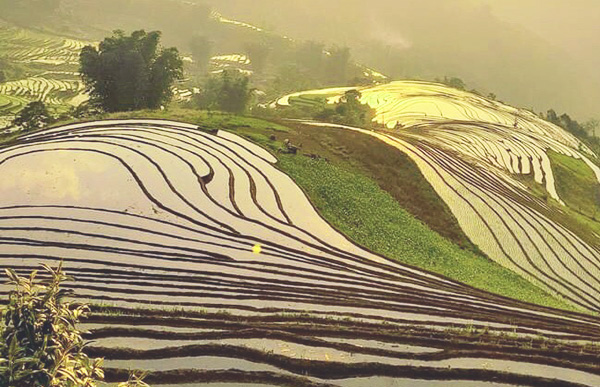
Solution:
(201, 48)
(258, 53)
(350, 111)
(39, 342)
(310, 56)
(130, 72)
(337, 64)
(454, 82)
(34, 116)
(591, 126)
(228, 92)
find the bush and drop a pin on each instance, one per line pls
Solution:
(34, 116)
(350, 111)
(40, 344)
(228, 92)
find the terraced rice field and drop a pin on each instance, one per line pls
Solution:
(51, 63)
(26, 46)
(51, 91)
(473, 152)
(9, 106)
(239, 62)
(205, 263)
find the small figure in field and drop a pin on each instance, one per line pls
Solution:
(290, 148)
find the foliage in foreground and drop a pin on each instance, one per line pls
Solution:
(40, 345)
(39, 342)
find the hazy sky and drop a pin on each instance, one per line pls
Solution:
(573, 25)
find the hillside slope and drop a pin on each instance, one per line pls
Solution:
(205, 263)
(485, 160)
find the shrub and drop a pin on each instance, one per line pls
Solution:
(34, 116)
(39, 342)
(228, 92)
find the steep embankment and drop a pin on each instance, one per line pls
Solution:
(216, 267)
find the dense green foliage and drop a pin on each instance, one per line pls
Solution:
(454, 82)
(567, 123)
(130, 72)
(228, 92)
(40, 345)
(34, 116)
(586, 131)
(337, 64)
(368, 215)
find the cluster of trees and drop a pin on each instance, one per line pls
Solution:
(130, 72)
(453, 82)
(229, 91)
(582, 131)
(313, 65)
(349, 111)
(33, 116)
(40, 344)
(201, 48)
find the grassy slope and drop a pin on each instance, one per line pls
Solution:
(576, 184)
(355, 203)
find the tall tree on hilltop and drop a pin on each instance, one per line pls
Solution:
(258, 52)
(201, 48)
(130, 72)
(337, 65)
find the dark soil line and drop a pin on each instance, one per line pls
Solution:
(569, 359)
(336, 370)
(185, 376)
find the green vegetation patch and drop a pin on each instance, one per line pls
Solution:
(216, 120)
(356, 206)
(576, 184)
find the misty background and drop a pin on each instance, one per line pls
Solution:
(532, 53)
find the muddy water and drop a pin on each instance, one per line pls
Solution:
(203, 363)
(392, 382)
